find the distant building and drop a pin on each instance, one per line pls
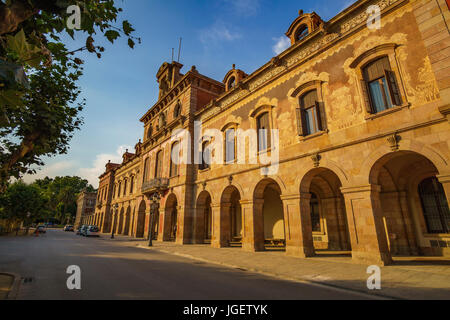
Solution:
(362, 114)
(85, 207)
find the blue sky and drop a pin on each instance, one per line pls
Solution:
(121, 87)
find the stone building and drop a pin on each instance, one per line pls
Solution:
(85, 208)
(358, 115)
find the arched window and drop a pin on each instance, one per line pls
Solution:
(114, 192)
(263, 127)
(206, 156)
(162, 120)
(435, 206)
(315, 214)
(380, 85)
(149, 132)
(301, 32)
(310, 113)
(132, 185)
(125, 187)
(231, 83)
(177, 110)
(146, 170)
(119, 190)
(230, 145)
(175, 159)
(159, 164)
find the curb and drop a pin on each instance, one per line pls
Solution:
(14, 289)
(317, 283)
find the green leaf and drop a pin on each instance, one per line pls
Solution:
(112, 35)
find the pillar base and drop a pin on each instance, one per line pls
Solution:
(378, 259)
(219, 245)
(253, 247)
(299, 252)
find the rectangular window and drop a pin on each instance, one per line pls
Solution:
(206, 157)
(175, 160)
(381, 99)
(264, 138)
(230, 145)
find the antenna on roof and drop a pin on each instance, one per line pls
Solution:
(179, 50)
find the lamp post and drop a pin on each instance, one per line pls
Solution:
(154, 205)
(116, 208)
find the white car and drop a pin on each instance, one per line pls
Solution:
(91, 231)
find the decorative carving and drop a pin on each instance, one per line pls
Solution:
(316, 160)
(230, 179)
(394, 142)
(204, 184)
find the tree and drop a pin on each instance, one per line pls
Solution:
(31, 52)
(22, 203)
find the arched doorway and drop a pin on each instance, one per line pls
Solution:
(231, 227)
(170, 225)
(204, 223)
(140, 223)
(126, 228)
(414, 207)
(324, 206)
(269, 213)
(120, 222)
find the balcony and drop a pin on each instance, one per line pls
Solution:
(155, 185)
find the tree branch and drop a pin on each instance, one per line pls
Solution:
(13, 15)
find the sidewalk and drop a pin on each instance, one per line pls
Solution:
(408, 278)
(6, 284)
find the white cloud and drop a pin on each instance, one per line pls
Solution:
(218, 32)
(61, 168)
(282, 43)
(92, 174)
(244, 7)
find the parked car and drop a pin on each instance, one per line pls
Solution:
(68, 228)
(41, 229)
(83, 230)
(91, 231)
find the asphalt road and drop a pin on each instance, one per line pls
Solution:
(110, 270)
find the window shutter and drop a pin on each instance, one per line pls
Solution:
(299, 121)
(304, 127)
(365, 93)
(322, 115)
(393, 88)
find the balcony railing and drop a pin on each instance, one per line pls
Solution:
(155, 185)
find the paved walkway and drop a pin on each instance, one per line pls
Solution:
(6, 282)
(408, 278)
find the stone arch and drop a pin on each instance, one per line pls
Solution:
(406, 221)
(230, 226)
(323, 213)
(438, 160)
(203, 225)
(120, 221)
(170, 220)
(325, 165)
(126, 227)
(140, 221)
(268, 215)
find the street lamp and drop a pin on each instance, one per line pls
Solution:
(154, 206)
(116, 207)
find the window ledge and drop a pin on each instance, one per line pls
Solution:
(204, 170)
(437, 235)
(388, 111)
(267, 151)
(312, 136)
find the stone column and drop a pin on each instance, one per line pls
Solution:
(199, 224)
(184, 225)
(253, 225)
(343, 223)
(367, 231)
(445, 181)
(221, 225)
(165, 216)
(408, 224)
(297, 221)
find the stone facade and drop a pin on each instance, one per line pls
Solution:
(361, 169)
(86, 202)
